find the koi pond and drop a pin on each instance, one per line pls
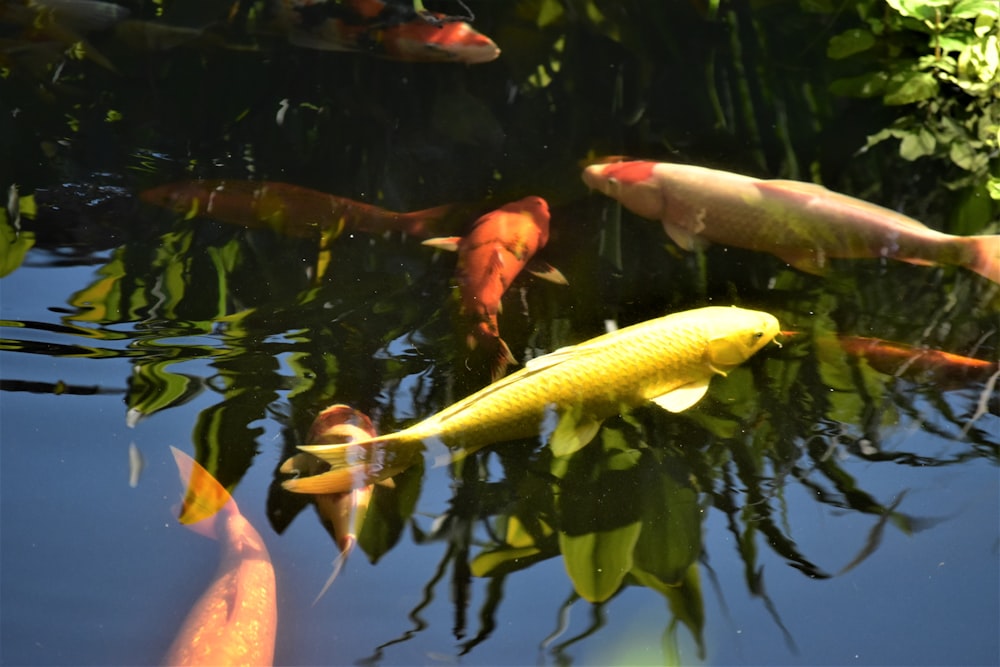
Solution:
(201, 249)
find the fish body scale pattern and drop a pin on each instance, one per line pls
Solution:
(645, 361)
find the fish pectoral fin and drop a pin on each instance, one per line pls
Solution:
(683, 397)
(546, 271)
(684, 238)
(572, 433)
(814, 263)
(449, 243)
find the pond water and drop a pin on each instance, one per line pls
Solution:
(819, 506)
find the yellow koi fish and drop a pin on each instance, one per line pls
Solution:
(669, 360)
(802, 223)
(235, 620)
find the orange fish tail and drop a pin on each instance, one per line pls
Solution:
(425, 223)
(986, 256)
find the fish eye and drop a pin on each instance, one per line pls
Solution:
(757, 335)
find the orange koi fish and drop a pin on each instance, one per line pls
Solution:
(497, 247)
(341, 513)
(383, 29)
(802, 223)
(234, 621)
(289, 209)
(918, 363)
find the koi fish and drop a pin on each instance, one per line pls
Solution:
(59, 25)
(383, 29)
(918, 363)
(341, 513)
(490, 256)
(289, 209)
(234, 621)
(804, 224)
(669, 360)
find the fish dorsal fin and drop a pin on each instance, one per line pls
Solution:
(551, 359)
(803, 187)
(449, 243)
(780, 187)
(684, 238)
(546, 271)
(683, 397)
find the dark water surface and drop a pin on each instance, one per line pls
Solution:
(812, 509)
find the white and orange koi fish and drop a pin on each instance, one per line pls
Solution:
(341, 513)
(804, 224)
(235, 620)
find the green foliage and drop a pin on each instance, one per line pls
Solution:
(940, 59)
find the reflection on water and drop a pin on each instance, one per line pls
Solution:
(833, 500)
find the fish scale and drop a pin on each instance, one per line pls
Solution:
(668, 360)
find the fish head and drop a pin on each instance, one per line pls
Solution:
(736, 335)
(453, 41)
(634, 184)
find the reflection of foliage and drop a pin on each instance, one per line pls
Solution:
(941, 60)
(14, 242)
(230, 315)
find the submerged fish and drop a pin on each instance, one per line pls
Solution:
(234, 621)
(288, 209)
(669, 360)
(342, 513)
(802, 223)
(56, 26)
(383, 29)
(918, 363)
(496, 248)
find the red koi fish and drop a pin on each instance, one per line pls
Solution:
(918, 363)
(234, 621)
(802, 223)
(383, 29)
(497, 247)
(341, 513)
(289, 209)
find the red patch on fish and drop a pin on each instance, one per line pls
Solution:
(629, 172)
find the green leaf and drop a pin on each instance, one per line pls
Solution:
(973, 9)
(849, 42)
(670, 540)
(14, 245)
(993, 187)
(923, 10)
(909, 87)
(866, 85)
(598, 562)
(917, 144)
(965, 155)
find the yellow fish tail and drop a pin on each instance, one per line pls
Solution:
(359, 463)
(985, 256)
(337, 480)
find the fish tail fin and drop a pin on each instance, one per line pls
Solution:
(426, 222)
(986, 256)
(356, 464)
(483, 337)
(204, 497)
(502, 358)
(338, 565)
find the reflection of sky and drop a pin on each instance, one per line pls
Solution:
(96, 572)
